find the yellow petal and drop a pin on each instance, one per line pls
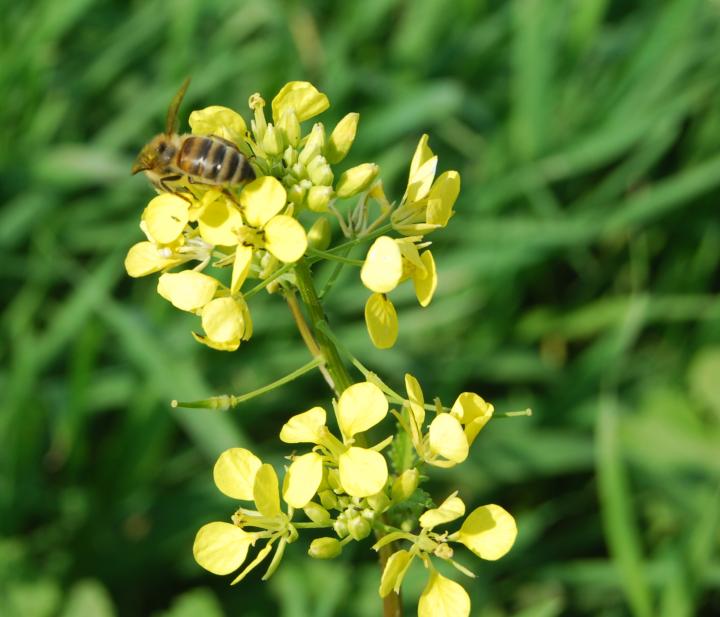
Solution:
(234, 473)
(221, 548)
(285, 238)
(341, 138)
(422, 154)
(220, 121)
(382, 269)
(421, 181)
(381, 321)
(473, 411)
(302, 479)
(306, 427)
(241, 267)
(411, 255)
(165, 217)
(489, 532)
(442, 197)
(362, 472)
(265, 491)
(222, 320)
(302, 97)
(394, 572)
(187, 290)
(449, 510)
(145, 258)
(219, 222)
(360, 407)
(262, 199)
(416, 400)
(230, 346)
(443, 598)
(425, 285)
(447, 438)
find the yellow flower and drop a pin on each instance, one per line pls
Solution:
(220, 121)
(388, 263)
(428, 202)
(450, 434)
(221, 547)
(302, 98)
(362, 471)
(280, 234)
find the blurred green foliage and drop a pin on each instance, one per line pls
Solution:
(579, 277)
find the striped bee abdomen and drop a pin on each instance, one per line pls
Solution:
(213, 160)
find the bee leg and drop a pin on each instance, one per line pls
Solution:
(224, 189)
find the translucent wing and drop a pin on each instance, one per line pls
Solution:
(170, 123)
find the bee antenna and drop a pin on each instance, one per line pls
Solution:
(170, 123)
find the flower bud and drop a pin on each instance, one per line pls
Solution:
(298, 171)
(342, 138)
(320, 234)
(379, 503)
(340, 527)
(356, 179)
(405, 484)
(328, 499)
(290, 156)
(319, 171)
(334, 481)
(319, 197)
(325, 548)
(359, 528)
(296, 194)
(314, 144)
(272, 142)
(316, 513)
(290, 125)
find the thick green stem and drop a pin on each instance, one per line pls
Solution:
(333, 362)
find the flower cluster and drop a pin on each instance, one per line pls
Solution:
(349, 477)
(345, 485)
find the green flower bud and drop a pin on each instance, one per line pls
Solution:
(314, 144)
(359, 528)
(296, 194)
(340, 527)
(379, 503)
(319, 197)
(290, 125)
(272, 142)
(290, 156)
(319, 171)
(320, 234)
(316, 513)
(356, 179)
(328, 499)
(405, 484)
(325, 548)
(342, 138)
(298, 171)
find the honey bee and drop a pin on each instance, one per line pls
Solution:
(202, 159)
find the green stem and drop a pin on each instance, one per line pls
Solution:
(262, 285)
(334, 257)
(355, 241)
(334, 364)
(227, 401)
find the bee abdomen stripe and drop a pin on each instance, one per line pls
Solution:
(215, 161)
(231, 164)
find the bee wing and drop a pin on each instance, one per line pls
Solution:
(174, 107)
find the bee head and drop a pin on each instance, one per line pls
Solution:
(155, 155)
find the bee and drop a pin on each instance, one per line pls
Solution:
(202, 159)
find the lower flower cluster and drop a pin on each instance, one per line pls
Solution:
(346, 486)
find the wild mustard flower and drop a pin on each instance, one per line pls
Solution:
(208, 241)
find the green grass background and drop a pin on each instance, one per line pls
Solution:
(579, 277)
